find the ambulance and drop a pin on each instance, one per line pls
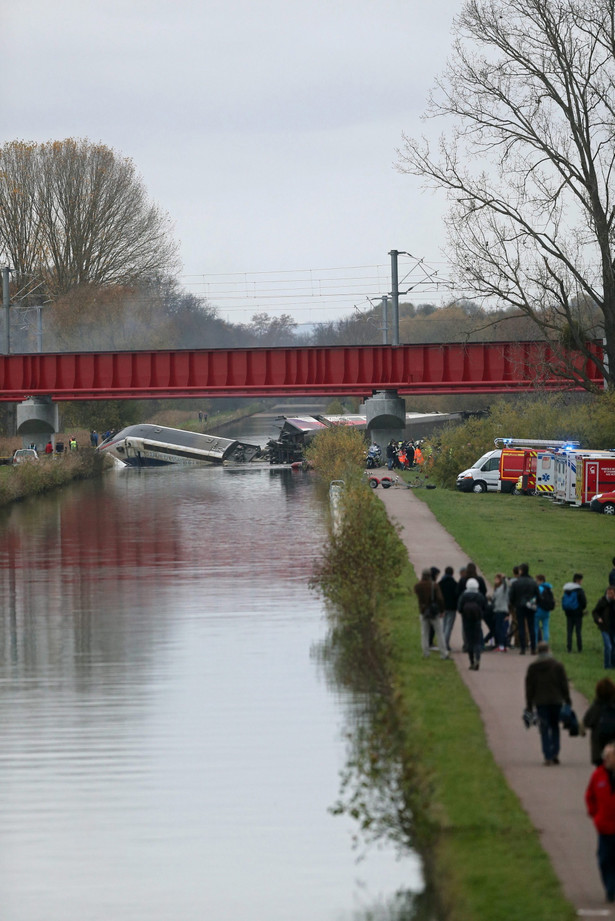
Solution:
(538, 475)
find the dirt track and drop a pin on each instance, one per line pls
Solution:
(553, 797)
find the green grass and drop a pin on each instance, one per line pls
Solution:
(476, 835)
(498, 531)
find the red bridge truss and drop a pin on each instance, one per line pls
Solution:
(488, 367)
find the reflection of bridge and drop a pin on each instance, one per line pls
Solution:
(492, 367)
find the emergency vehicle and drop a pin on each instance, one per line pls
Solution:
(594, 475)
(538, 476)
(567, 465)
(520, 469)
(500, 469)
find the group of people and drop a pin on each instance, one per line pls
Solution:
(547, 695)
(59, 448)
(516, 613)
(403, 454)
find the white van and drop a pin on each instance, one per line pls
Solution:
(483, 475)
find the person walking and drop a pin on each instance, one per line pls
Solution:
(546, 603)
(600, 802)
(431, 608)
(600, 719)
(574, 603)
(523, 597)
(500, 609)
(604, 618)
(472, 605)
(448, 587)
(546, 690)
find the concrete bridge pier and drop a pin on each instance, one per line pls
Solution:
(37, 421)
(385, 413)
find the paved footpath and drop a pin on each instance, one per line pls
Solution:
(553, 797)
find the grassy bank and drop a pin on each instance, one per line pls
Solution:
(216, 421)
(36, 477)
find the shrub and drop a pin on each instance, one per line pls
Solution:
(362, 560)
(337, 453)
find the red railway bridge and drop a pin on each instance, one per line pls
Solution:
(484, 367)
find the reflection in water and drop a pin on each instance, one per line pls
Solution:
(378, 788)
(167, 748)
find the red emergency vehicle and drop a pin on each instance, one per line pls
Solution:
(594, 475)
(518, 462)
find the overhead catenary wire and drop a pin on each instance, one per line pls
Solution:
(324, 291)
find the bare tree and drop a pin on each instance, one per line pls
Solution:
(75, 213)
(528, 163)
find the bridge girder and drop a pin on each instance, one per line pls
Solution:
(493, 367)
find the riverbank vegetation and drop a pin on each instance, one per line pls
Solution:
(419, 769)
(49, 472)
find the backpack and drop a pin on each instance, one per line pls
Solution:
(546, 601)
(472, 609)
(570, 601)
(606, 725)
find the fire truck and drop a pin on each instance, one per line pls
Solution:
(594, 475)
(568, 467)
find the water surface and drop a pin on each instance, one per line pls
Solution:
(170, 748)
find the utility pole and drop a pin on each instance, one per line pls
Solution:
(385, 319)
(6, 300)
(395, 295)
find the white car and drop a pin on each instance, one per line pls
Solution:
(23, 455)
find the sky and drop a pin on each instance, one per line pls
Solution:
(267, 131)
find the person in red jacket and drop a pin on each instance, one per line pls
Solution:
(600, 802)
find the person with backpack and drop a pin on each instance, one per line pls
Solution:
(574, 603)
(600, 719)
(546, 690)
(472, 606)
(604, 618)
(546, 603)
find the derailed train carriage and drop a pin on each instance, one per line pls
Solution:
(149, 445)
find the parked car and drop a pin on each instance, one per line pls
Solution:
(22, 455)
(603, 502)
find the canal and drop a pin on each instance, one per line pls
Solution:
(171, 747)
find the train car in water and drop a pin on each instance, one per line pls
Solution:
(149, 445)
